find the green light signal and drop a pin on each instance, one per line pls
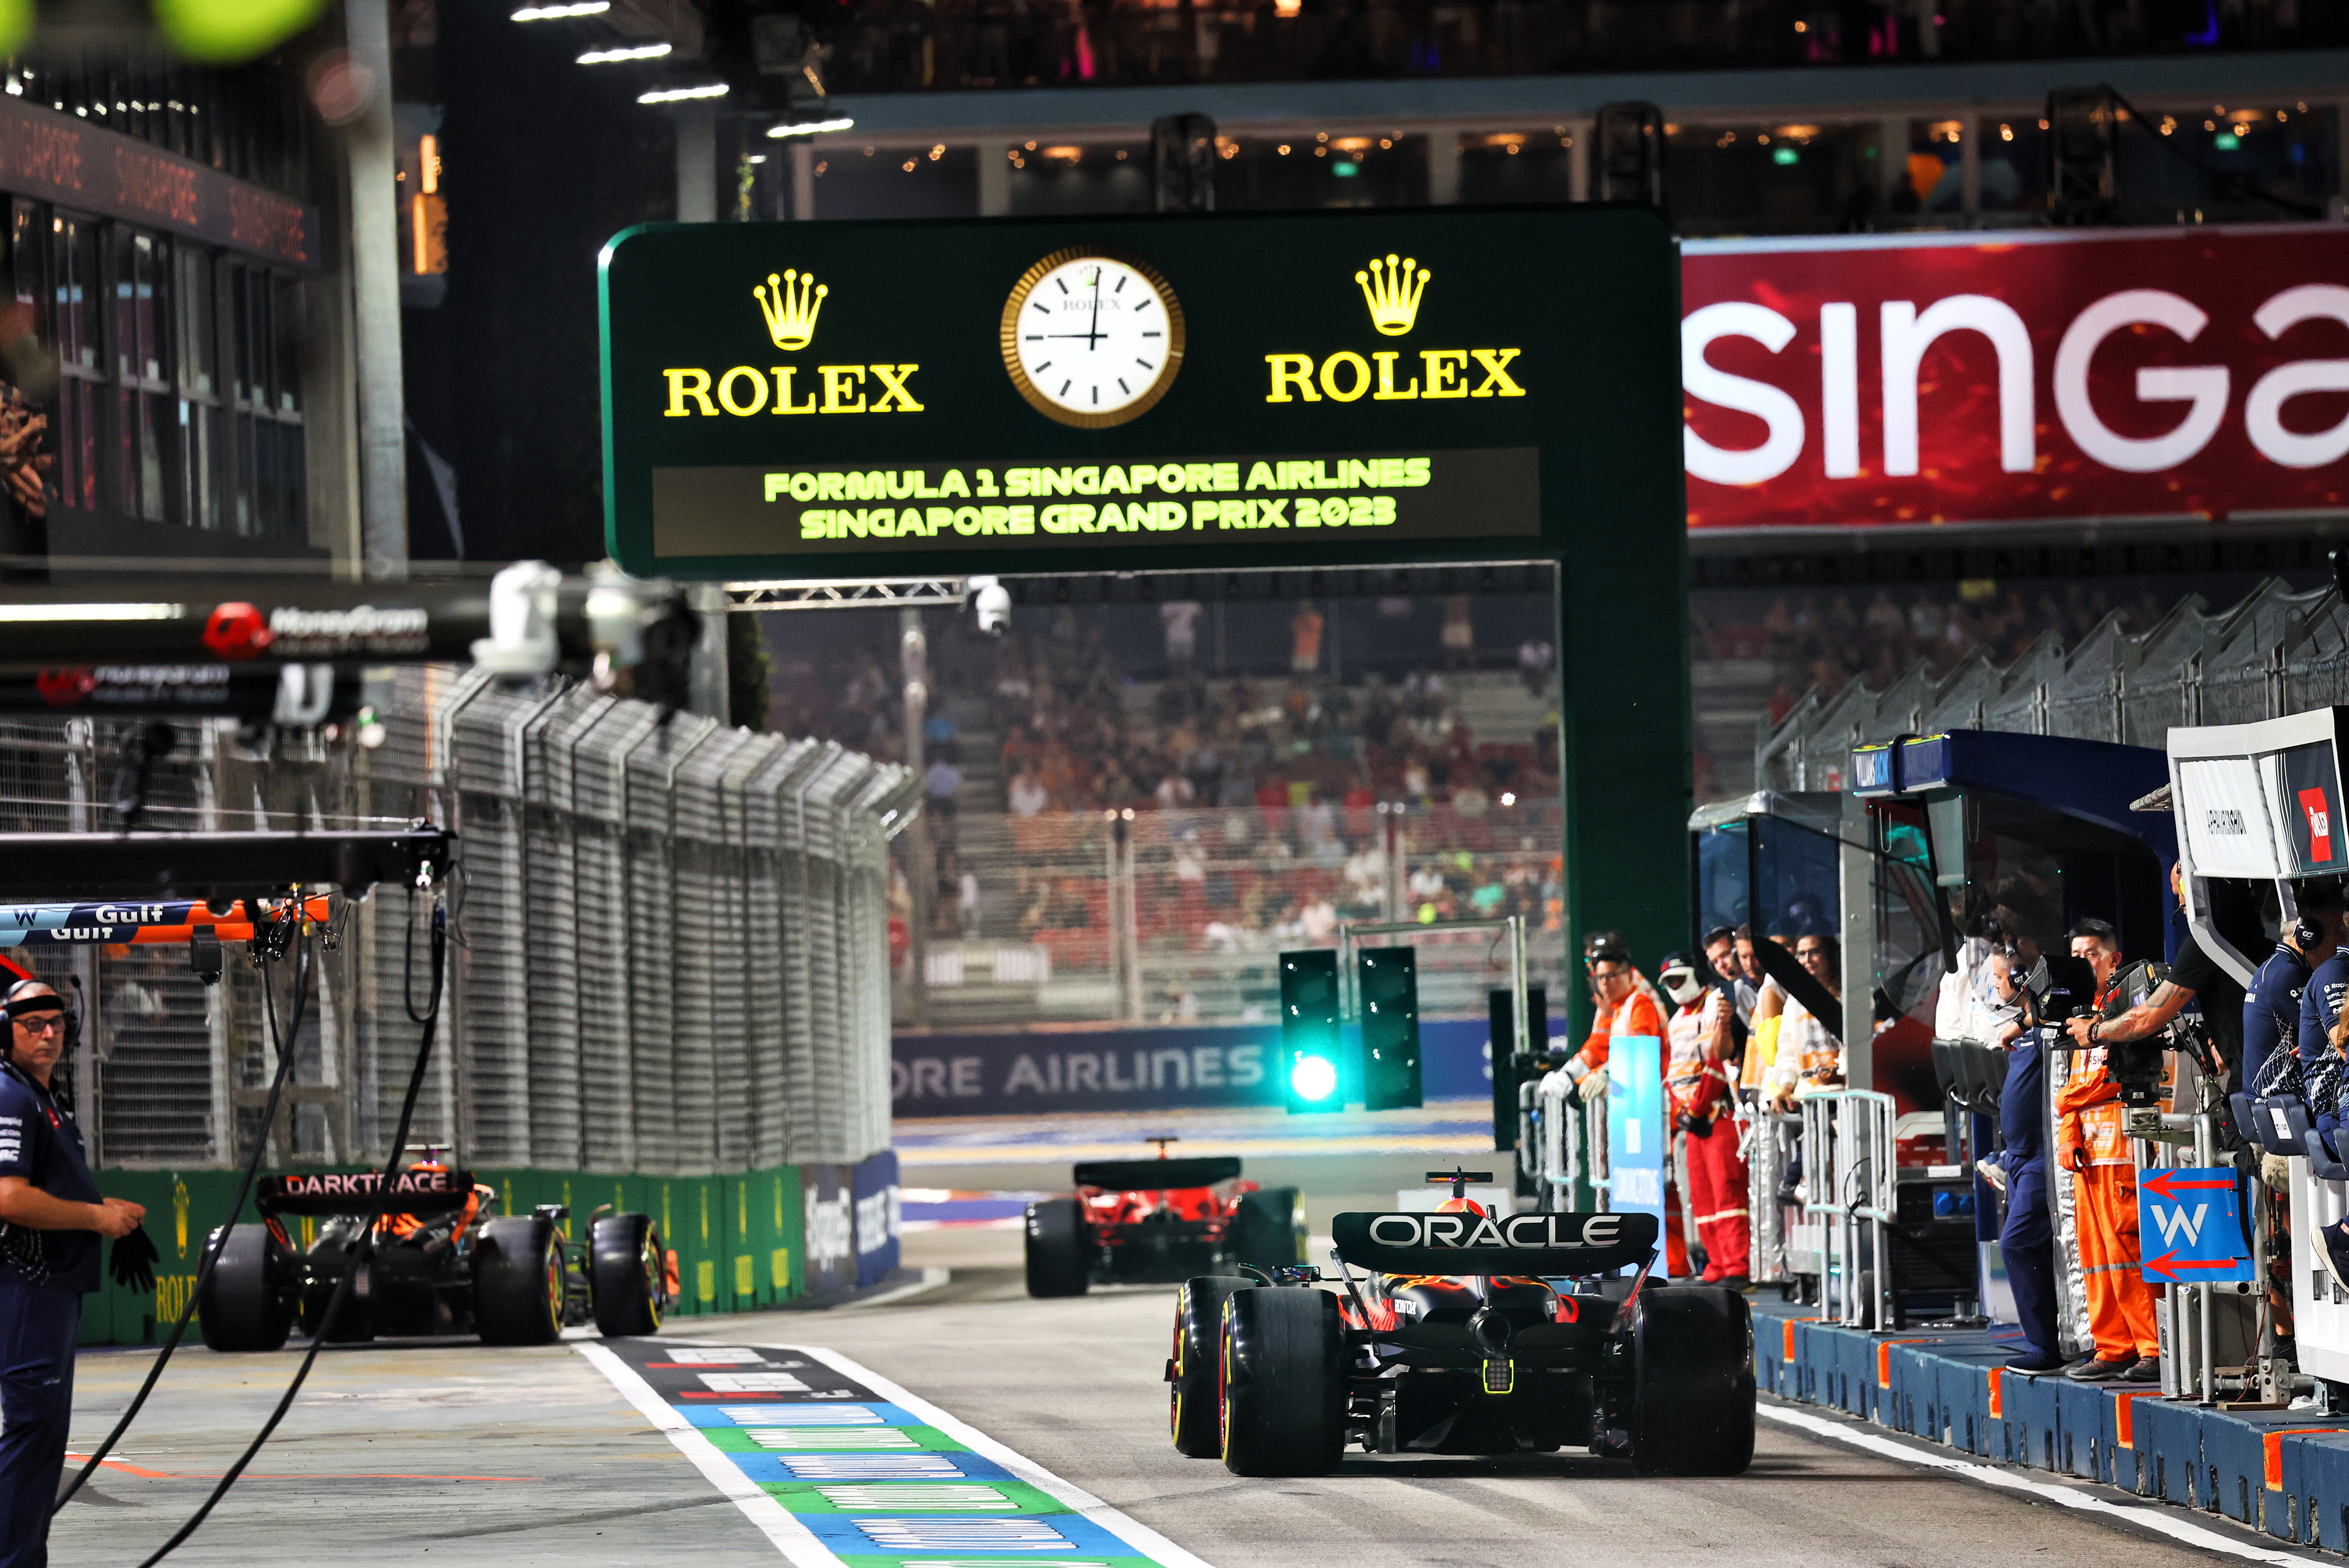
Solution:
(1309, 1079)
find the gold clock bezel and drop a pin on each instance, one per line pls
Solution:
(1010, 340)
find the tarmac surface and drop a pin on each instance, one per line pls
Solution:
(490, 1458)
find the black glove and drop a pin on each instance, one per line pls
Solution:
(133, 1262)
(1695, 1127)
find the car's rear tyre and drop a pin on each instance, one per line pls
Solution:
(1060, 1246)
(1692, 1389)
(1267, 1229)
(247, 1301)
(1195, 1413)
(1284, 1389)
(625, 1275)
(518, 1281)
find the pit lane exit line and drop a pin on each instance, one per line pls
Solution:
(2157, 1517)
(782, 1398)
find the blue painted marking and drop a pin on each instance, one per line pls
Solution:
(956, 1536)
(780, 1413)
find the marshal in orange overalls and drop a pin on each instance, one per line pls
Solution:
(2091, 1145)
(1696, 1082)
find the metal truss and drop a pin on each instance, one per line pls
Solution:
(845, 593)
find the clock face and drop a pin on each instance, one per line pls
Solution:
(1092, 337)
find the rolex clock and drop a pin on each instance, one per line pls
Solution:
(1093, 336)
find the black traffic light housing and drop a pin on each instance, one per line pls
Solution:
(1389, 993)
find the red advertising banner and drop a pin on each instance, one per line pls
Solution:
(1959, 378)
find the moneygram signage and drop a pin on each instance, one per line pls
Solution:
(798, 400)
(2187, 371)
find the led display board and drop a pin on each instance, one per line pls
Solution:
(812, 400)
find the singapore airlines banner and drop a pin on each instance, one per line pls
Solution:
(1957, 378)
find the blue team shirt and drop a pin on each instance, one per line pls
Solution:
(39, 1142)
(2271, 1021)
(2320, 1066)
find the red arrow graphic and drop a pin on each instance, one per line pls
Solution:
(2165, 1184)
(2168, 1265)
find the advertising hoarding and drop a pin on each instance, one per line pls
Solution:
(1996, 378)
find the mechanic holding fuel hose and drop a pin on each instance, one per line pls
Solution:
(51, 1216)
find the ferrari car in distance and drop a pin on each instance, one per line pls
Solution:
(1159, 1221)
(441, 1263)
(1467, 1333)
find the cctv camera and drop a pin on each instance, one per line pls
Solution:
(992, 603)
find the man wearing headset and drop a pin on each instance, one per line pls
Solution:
(51, 1216)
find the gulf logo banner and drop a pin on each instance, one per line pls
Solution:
(840, 1468)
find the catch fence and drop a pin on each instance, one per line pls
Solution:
(670, 953)
(1178, 917)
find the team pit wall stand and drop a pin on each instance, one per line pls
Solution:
(1470, 1335)
(2283, 1471)
(291, 652)
(2262, 802)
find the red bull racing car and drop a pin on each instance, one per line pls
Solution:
(1159, 1221)
(1469, 1333)
(438, 1265)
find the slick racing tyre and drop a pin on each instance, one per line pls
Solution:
(1692, 1389)
(1195, 1414)
(1284, 1388)
(1268, 1231)
(247, 1301)
(625, 1275)
(1059, 1248)
(518, 1281)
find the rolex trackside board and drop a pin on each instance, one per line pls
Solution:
(842, 1468)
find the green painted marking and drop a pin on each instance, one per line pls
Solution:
(829, 1440)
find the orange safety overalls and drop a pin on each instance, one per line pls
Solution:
(2091, 1144)
(1696, 1082)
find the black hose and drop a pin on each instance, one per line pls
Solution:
(429, 1019)
(285, 1052)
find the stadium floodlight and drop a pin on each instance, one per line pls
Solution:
(1309, 1079)
(556, 13)
(625, 53)
(809, 126)
(683, 94)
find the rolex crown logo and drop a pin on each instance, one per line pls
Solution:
(1392, 289)
(790, 304)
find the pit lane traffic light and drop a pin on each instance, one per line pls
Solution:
(1390, 990)
(1310, 1078)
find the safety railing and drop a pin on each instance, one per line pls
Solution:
(1785, 1238)
(1849, 1174)
(1569, 1135)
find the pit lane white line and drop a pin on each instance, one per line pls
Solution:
(2158, 1517)
(1148, 1542)
(793, 1539)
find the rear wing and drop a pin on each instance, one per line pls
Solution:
(365, 1192)
(1157, 1175)
(1545, 1244)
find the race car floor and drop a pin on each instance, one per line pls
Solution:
(493, 1458)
